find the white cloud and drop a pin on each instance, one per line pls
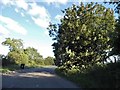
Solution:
(10, 24)
(27, 21)
(18, 3)
(46, 32)
(43, 23)
(6, 2)
(38, 10)
(40, 15)
(3, 49)
(3, 30)
(22, 14)
(16, 10)
(58, 17)
(62, 1)
(21, 4)
(57, 1)
(44, 49)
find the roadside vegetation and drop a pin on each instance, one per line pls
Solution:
(18, 55)
(87, 45)
(97, 76)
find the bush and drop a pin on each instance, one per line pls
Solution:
(97, 76)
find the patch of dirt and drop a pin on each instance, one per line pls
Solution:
(34, 74)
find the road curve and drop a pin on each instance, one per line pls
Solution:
(35, 78)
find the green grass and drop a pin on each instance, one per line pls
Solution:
(9, 68)
(14, 67)
(107, 76)
(4, 70)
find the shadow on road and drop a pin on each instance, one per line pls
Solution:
(29, 81)
(35, 78)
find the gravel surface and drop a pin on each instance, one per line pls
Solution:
(35, 78)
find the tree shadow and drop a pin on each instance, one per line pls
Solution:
(35, 78)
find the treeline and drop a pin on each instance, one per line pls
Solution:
(85, 40)
(19, 55)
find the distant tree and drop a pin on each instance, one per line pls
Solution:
(19, 55)
(14, 44)
(16, 54)
(18, 58)
(49, 61)
(34, 55)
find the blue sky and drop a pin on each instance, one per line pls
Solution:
(28, 21)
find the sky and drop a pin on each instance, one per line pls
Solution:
(28, 20)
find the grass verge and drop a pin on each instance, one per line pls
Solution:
(96, 77)
(9, 68)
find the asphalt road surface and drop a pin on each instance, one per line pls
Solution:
(35, 78)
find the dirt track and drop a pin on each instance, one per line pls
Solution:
(35, 78)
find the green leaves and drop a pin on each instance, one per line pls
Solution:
(18, 55)
(14, 44)
(84, 30)
(49, 61)
(18, 58)
(116, 40)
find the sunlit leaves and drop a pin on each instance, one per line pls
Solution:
(14, 44)
(83, 37)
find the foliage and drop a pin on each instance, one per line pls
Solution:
(9, 68)
(116, 4)
(83, 37)
(34, 56)
(49, 61)
(1, 56)
(116, 41)
(5, 61)
(18, 58)
(115, 51)
(106, 76)
(14, 44)
(18, 55)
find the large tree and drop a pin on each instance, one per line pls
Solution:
(83, 37)
(16, 54)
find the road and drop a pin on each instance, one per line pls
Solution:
(35, 78)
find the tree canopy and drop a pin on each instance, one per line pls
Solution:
(20, 55)
(14, 44)
(83, 37)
